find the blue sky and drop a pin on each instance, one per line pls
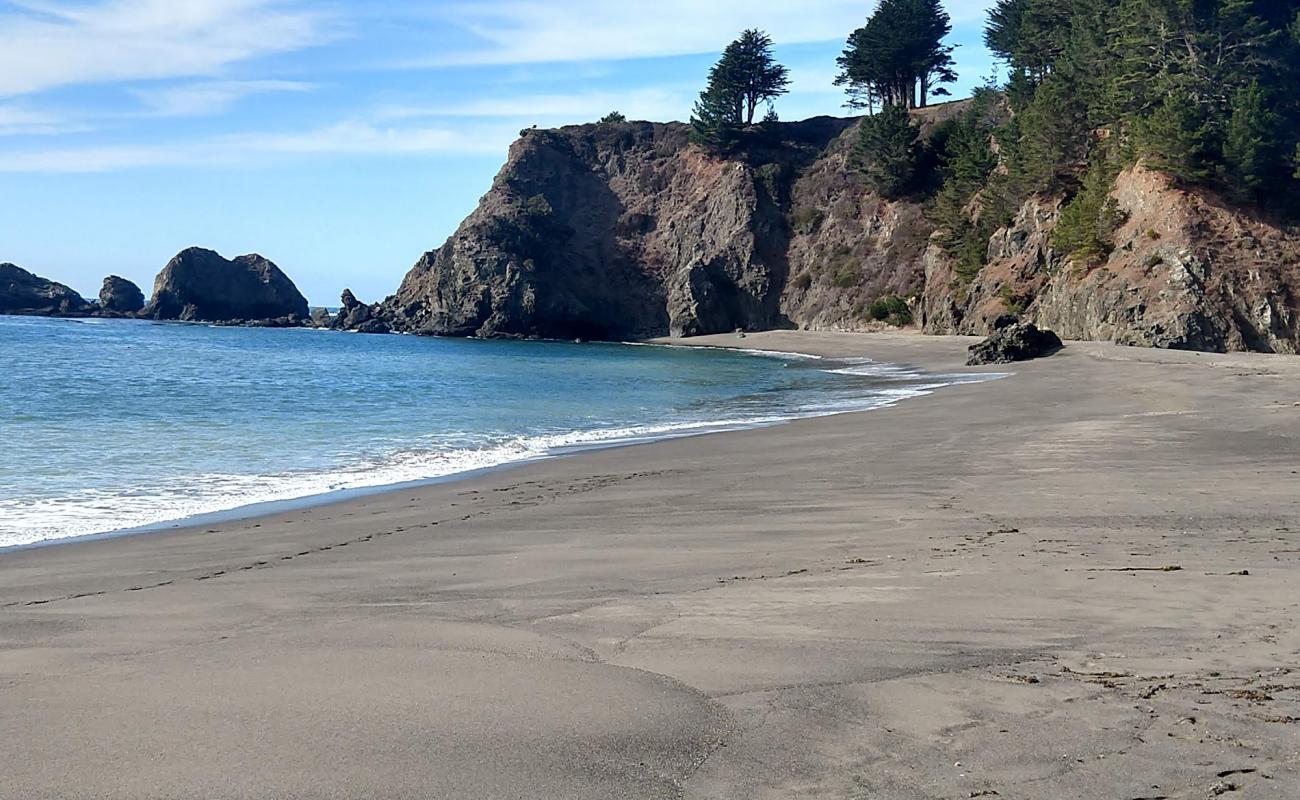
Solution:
(340, 138)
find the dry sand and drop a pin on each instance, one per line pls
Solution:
(972, 594)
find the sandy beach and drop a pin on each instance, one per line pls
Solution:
(1080, 581)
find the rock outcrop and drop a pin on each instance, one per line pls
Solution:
(120, 296)
(625, 230)
(1014, 341)
(1189, 271)
(22, 292)
(200, 285)
(357, 316)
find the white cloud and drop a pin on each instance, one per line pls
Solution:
(51, 43)
(345, 138)
(536, 31)
(209, 97)
(660, 103)
(22, 121)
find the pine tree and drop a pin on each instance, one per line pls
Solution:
(898, 57)
(887, 152)
(749, 68)
(1177, 138)
(715, 124)
(1254, 153)
(746, 77)
(1054, 137)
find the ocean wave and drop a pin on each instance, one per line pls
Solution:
(28, 521)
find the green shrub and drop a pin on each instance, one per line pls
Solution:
(892, 309)
(846, 275)
(803, 281)
(807, 220)
(1090, 220)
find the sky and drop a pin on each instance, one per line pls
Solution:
(342, 138)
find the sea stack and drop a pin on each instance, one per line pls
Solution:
(120, 296)
(199, 285)
(21, 292)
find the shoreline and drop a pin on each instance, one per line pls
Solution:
(330, 497)
(1075, 582)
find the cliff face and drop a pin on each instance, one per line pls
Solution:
(1188, 271)
(620, 231)
(626, 230)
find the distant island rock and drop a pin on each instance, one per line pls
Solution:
(22, 292)
(357, 316)
(120, 296)
(199, 285)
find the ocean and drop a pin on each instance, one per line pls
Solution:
(112, 425)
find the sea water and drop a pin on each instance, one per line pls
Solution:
(108, 425)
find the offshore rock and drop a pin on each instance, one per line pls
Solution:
(200, 285)
(22, 292)
(358, 317)
(120, 296)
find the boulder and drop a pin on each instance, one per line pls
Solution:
(321, 318)
(21, 292)
(120, 296)
(200, 285)
(1019, 341)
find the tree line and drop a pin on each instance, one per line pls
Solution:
(1202, 90)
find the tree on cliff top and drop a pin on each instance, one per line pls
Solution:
(898, 57)
(746, 77)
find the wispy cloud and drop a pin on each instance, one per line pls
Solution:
(52, 43)
(658, 103)
(16, 120)
(209, 97)
(356, 138)
(537, 31)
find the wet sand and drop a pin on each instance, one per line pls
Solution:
(1077, 582)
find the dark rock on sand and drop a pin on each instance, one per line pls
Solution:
(21, 292)
(200, 285)
(1019, 341)
(120, 296)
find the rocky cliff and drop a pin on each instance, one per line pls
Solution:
(1189, 271)
(21, 292)
(626, 230)
(200, 285)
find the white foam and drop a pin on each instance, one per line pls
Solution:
(32, 521)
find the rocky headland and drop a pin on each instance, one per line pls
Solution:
(627, 230)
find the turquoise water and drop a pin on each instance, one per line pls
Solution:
(109, 424)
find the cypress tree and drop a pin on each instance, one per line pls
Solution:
(1177, 139)
(1253, 149)
(745, 77)
(887, 152)
(898, 57)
